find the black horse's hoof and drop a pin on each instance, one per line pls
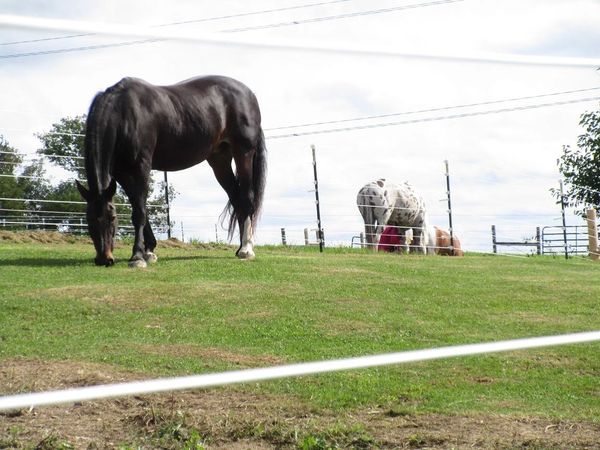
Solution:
(137, 264)
(150, 257)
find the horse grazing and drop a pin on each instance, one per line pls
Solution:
(439, 242)
(382, 204)
(390, 240)
(448, 246)
(134, 127)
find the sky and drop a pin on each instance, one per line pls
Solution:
(313, 61)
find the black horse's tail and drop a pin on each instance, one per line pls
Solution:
(259, 181)
(99, 142)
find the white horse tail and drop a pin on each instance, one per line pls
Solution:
(374, 209)
(368, 216)
(430, 238)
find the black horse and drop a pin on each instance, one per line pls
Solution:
(134, 127)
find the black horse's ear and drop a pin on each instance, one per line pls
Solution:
(82, 190)
(110, 191)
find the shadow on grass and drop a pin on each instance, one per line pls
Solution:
(196, 258)
(87, 261)
(45, 262)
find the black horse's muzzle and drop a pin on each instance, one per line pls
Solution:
(104, 261)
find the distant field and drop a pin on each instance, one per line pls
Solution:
(201, 310)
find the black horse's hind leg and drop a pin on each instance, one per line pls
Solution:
(241, 203)
(149, 244)
(245, 212)
(136, 188)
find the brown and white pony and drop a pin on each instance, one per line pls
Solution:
(439, 242)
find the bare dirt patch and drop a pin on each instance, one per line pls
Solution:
(189, 350)
(44, 237)
(55, 237)
(230, 419)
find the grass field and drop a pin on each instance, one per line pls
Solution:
(200, 310)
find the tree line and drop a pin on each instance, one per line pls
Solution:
(40, 204)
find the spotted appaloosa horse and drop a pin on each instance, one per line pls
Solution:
(438, 242)
(382, 203)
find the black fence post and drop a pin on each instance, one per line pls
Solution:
(449, 205)
(564, 222)
(320, 235)
(168, 206)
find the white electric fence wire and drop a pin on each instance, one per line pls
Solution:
(429, 110)
(227, 39)
(44, 155)
(186, 22)
(66, 201)
(53, 224)
(35, 178)
(402, 113)
(45, 212)
(339, 16)
(430, 119)
(401, 246)
(385, 208)
(293, 370)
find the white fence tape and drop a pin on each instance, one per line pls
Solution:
(269, 373)
(228, 39)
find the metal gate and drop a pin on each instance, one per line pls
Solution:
(553, 240)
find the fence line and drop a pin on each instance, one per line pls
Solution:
(16, 177)
(55, 224)
(64, 201)
(45, 212)
(45, 155)
(293, 370)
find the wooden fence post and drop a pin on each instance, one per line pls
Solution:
(592, 234)
(306, 236)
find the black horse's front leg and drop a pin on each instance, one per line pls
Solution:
(138, 219)
(136, 188)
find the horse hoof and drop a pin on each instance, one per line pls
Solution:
(150, 257)
(246, 256)
(137, 264)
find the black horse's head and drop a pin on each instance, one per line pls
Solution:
(102, 221)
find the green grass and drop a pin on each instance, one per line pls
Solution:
(199, 311)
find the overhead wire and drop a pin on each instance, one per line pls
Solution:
(230, 30)
(401, 113)
(428, 110)
(430, 119)
(186, 22)
(340, 16)
(149, 34)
